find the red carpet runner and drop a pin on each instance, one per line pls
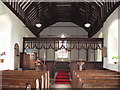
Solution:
(62, 77)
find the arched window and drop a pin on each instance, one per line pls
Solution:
(62, 54)
(113, 42)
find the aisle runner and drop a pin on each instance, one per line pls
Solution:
(62, 77)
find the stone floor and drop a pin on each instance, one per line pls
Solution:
(59, 85)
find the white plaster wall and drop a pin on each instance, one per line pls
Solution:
(109, 25)
(119, 35)
(12, 31)
(68, 32)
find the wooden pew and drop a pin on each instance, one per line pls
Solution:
(24, 75)
(32, 72)
(95, 76)
(27, 75)
(98, 77)
(13, 82)
(96, 71)
(33, 78)
(101, 86)
(107, 83)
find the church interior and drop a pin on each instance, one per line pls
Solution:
(47, 44)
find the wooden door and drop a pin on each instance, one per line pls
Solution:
(16, 57)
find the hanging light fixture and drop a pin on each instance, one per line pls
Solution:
(38, 25)
(87, 24)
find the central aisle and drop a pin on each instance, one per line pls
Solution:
(62, 79)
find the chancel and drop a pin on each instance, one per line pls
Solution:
(47, 44)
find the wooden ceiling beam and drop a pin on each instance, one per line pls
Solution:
(97, 9)
(30, 8)
(112, 9)
(49, 13)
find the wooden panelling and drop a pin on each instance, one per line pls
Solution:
(50, 65)
(27, 61)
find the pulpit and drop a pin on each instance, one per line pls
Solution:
(27, 61)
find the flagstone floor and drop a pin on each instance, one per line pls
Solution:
(61, 86)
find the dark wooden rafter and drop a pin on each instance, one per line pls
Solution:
(48, 13)
(106, 14)
(77, 13)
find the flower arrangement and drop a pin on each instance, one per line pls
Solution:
(1, 57)
(116, 58)
(2, 54)
(40, 65)
(38, 62)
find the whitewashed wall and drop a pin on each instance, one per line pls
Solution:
(68, 32)
(12, 31)
(110, 31)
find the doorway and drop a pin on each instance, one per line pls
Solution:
(16, 56)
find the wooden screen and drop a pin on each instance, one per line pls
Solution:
(90, 45)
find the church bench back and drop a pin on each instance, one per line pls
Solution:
(27, 75)
(100, 86)
(21, 76)
(24, 71)
(98, 76)
(100, 81)
(13, 87)
(95, 72)
(93, 77)
(31, 72)
(18, 82)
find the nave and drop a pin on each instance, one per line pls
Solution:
(38, 73)
(57, 45)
